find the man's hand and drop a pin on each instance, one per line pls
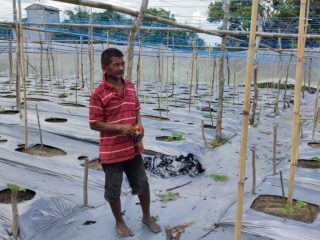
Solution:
(126, 130)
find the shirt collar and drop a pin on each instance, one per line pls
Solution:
(108, 86)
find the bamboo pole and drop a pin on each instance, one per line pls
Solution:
(39, 126)
(91, 61)
(85, 183)
(41, 63)
(173, 66)
(191, 75)
(316, 110)
(135, 29)
(244, 132)
(15, 215)
(10, 65)
(282, 186)
(274, 150)
(286, 84)
(253, 159)
(18, 82)
(81, 63)
(296, 106)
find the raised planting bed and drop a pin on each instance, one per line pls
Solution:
(56, 120)
(277, 206)
(44, 150)
(27, 194)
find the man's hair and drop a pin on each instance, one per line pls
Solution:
(108, 54)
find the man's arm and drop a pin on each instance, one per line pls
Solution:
(123, 129)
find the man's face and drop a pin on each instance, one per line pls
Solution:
(115, 70)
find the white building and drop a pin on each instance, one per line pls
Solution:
(38, 13)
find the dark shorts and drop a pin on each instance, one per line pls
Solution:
(135, 172)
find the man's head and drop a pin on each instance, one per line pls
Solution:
(112, 63)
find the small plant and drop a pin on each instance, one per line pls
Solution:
(176, 136)
(219, 177)
(315, 159)
(207, 115)
(266, 132)
(64, 95)
(255, 125)
(1, 109)
(301, 204)
(169, 196)
(155, 218)
(287, 209)
(215, 143)
(11, 186)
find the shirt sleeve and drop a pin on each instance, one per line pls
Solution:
(95, 109)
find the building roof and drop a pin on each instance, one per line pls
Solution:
(40, 6)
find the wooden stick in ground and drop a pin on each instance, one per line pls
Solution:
(15, 214)
(203, 134)
(244, 132)
(85, 183)
(296, 106)
(39, 126)
(10, 65)
(274, 150)
(282, 187)
(253, 158)
(191, 75)
(316, 110)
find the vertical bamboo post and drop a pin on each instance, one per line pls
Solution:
(282, 186)
(81, 63)
(10, 65)
(85, 183)
(192, 74)
(15, 214)
(173, 66)
(244, 132)
(274, 150)
(39, 126)
(90, 46)
(22, 76)
(135, 28)
(286, 84)
(296, 106)
(234, 80)
(41, 63)
(167, 75)
(316, 112)
(138, 70)
(253, 159)
(209, 73)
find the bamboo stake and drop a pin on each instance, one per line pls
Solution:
(133, 31)
(244, 132)
(191, 75)
(253, 159)
(316, 112)
(286, 84)
(296, 106)
(274, 150)
(282, 186)
(41, 63)
(173, 66)
(91, 66)
(10, 65)
(18, 46)
(39, 126)
(167, 77)
(85, 183)
(15, 214)
(234, 80)
(138, 70)
(203, 134)
(81, 63)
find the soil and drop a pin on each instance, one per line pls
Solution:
(45, 150)
(94, 164)
(156, 117)
(314, 144)
(9, 112)
(5, 196)
(161, 109)
(72, 104)
(56, 120)
(274, 205)
(209, 126)
(305, 163)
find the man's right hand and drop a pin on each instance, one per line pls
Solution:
(126, 129)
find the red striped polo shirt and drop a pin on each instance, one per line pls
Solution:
(107, 105)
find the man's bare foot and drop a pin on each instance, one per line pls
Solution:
(151, 224)
(123, 230)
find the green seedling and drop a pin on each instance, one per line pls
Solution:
(301, 204)
(11, 186)
(169, 196)
(64, 95)
(155, 218)
(255, 125)
(1, 109)
(287, 209)
(215, 143)
(176, 136)
(219, 177)
(267, 132)
(315, 159)
(207, 115)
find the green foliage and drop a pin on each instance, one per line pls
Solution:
(301, 204)
(255, 125)
(176, 136)
(1, 109)
(216, 143)
(11, 186)
(161, 13)
(315, 159)
(275, 85)
(169, 196)
(155, 218)
(207, 115)
(64, 95)
(287, 209)
(219, 177)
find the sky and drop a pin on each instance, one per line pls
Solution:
(191, 12)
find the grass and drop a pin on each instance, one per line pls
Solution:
(219, 177)
(215, 143)
(169, 196)
(176, 136)
(299, 204)
(11, 186)
(315, 159)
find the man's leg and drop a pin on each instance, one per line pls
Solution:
(121, 227)
(146, 217)
(113, 182)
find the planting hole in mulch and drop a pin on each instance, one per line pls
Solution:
(209, 126)
(161, 109)
(5, 195)
(9, 96)
(309, 163)
(56, 120)
(38, 99)
(169, 166)
(2, 140)
(94, 164)
(9, 111)
(89, 222)
(72, 104)
(276, 206)
(314, 144)
(45, 150)
(82, 158)
(156, 117)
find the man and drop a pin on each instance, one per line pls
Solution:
(114, 110)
